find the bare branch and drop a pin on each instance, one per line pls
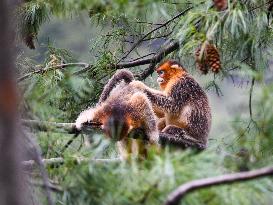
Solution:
(30, 164)
(250, 98)
(68, 128)
(157, 58)
(155, 29)
(45, 126)
(175, 197)
(51, 186)
(43, 70)
(27, 165)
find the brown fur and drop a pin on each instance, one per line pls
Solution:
(185, 106)
(123, 110)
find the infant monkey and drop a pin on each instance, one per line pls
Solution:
(123, 112)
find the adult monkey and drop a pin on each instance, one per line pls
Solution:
(184, 105)
(124, 113)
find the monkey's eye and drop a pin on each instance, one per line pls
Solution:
(161, 72)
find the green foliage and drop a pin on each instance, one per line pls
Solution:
(242, 33)
(150, 181)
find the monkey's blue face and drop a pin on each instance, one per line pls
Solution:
(160, 78)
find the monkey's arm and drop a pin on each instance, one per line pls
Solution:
(120, 75)
(159, 99)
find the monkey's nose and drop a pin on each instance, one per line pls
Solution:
(160, 80)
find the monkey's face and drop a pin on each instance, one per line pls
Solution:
(168, 71)
(116, 128)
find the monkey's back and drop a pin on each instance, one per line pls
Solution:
(120, 97)
(193, 101)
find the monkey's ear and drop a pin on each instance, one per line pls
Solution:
(175, 66)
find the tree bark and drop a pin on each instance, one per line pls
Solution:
(11, 189)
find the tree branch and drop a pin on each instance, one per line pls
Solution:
(30, 164)
(51, 186)
(155, 29)
(68, 128)
(175, 197)
(250, 98)
(43, 70)
(157, 58)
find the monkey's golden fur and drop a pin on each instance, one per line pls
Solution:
(182, 105)
(123, 110)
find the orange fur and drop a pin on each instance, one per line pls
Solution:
(125, 113)
(171, 75)
(187, 116)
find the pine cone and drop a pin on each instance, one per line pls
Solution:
(213, 58)
(209, 59)
(220, 5)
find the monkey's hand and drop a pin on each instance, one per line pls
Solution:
(85, 117)
(138, 85)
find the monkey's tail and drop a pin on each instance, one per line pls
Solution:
(75, 133)
(120, 75)
(180, 138)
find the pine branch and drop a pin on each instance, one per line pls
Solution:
(43, 70)
(175, 197)
(155, 29)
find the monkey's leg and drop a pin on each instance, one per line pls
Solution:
(125, 148)
(120, 75)
(143, 115)
(139, 149)
(178, 136)
(161, 124)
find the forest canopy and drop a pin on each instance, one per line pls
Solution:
(57, 82)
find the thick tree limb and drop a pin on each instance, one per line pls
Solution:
(157, 58)
(175, 197)
(12, 189)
